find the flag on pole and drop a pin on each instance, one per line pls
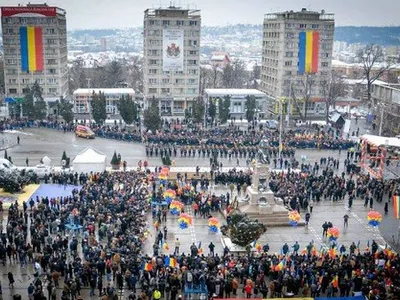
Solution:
(396, 206)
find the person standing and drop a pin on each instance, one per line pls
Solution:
(11, 279)
(346, 221)
(27, 162)
(177, 245)
(18, 139)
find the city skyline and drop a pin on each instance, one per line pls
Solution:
(101, 14)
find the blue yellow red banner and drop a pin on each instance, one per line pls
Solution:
(31, 43)
(308, 52)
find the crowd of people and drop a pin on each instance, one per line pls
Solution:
(231, 137)
(109, 256)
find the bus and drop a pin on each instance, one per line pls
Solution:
(84, 132)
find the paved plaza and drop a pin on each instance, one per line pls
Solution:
(36, 143)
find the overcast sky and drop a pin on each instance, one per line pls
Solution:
(129, 13)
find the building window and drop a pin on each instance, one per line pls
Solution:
(12, 91)
(192, 62)
(180, 22)
(152, 61)
(51, 41)
(191, 91)
(152, 81)
(165, 90)
(52, 71)
(289, 54)
(52, 81)
(193, 23)
(288, 63)
(179, 81)
(25, 81)
(152, 71)
(50, 31)
(193, 52)
(303, 26)
(314, 26)
(53, 90)
(165, 22)
(192, 72)
(165, 80)
(12, 61)
(152, 90)
(191, 81)
(325, 55)
(51, 61)
(324, 64)
(12, 81)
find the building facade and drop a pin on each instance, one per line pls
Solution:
(35, 50)
(171, 58)
(296, 57)
(238, 101)
(83, 97)
(387, 110)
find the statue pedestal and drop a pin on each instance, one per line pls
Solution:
(261, 203)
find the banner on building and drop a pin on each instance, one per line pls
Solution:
(308, 52)
(173, 49)
(31, 43)
(28, 11)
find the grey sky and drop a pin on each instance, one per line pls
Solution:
(129, 13)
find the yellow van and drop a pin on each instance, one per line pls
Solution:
(84, 132)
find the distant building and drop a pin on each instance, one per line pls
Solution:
(35, 49)
(388, 109)
(83, 97)
(103, 44)
(220, 59)
(297, 45)
(238, 100)
(171, 58)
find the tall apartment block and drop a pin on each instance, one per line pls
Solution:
(171, 58)
(297, 53)
(35, 49)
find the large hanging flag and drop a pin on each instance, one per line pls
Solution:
(31, 46)
(308, 52)
(396, 206)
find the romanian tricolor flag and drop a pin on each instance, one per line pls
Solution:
(335, 281)
(308, 52)
(173, 263)
(281, 265)
(148, 267)
(396, 206)
(31, 46)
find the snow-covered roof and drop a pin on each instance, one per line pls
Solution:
(90, 156)
(233, 92)
(113, 91)
(361, 81)
(381, 140)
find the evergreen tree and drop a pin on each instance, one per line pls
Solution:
(115, 161)
(114, 74)
(251, 106)
(198, 110)
(28, 106)
(224, 109)
(212, 111)
(242, 230)
(99, 107)
(127, 109)
(151, 116)
(65, 110)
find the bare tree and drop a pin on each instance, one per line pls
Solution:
(234, 75)
(134, 70)
(304, 91)
(333, 88)
(374, 63)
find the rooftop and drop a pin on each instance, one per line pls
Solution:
(233, 92)
(303, 14)
(122, 91)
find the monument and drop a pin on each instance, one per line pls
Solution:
(259, 201)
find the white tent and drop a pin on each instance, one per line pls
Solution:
(89, 160)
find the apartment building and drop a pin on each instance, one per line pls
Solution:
(296, 57)
(35, 49)
(171, 58)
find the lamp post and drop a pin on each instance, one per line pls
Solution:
(280, 126)
(381, 118)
